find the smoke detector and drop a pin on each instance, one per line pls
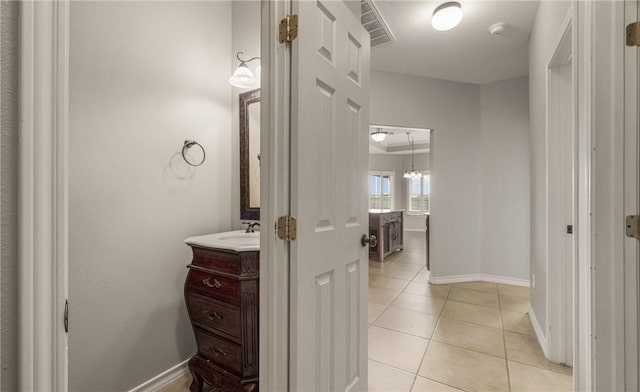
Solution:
(498, 28)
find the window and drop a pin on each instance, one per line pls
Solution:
(419, 192)
(380, 185)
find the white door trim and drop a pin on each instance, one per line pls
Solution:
(274, 186)
(557, 297)
(631, 186)
(43, 195)
(583, 300)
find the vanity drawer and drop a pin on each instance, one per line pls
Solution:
(220, 351)
(217, 259)
(223, 318)
(214, 286)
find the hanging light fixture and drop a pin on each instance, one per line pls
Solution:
(409, 174)
(447, 16)
(243, 77)
(378, 135)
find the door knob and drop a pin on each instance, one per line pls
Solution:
(372, 241)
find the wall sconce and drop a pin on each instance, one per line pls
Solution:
(378, 135)
(243, 77)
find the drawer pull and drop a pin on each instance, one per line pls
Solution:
(217, 351)
(215, 284)
(212, 315)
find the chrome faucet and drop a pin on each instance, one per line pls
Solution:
(251, 226)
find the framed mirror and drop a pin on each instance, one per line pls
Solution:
(250, 155)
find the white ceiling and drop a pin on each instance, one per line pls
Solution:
(467, 53)
(397, 142)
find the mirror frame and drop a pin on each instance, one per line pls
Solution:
(246, 212)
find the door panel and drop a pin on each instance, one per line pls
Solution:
(329, 136)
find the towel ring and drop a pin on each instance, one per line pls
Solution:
(187, 145)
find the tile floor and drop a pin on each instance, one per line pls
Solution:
(472, 336)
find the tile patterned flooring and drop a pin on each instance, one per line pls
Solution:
(472, 336)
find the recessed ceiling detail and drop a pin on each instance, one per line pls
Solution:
(396, 142)
(375, 24)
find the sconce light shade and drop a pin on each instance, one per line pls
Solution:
(242, 77)
(447, 16)
(378, 135)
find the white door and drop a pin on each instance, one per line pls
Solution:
(631, 202)
(329, 159)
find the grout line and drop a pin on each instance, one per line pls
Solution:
(541, 368)
(392, 366)
(504, 342)
(402, 332)
(469, 303)
(443, 383)
(468, 349)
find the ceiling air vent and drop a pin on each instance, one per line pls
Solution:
(374, 24)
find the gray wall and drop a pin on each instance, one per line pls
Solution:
(145, 76)
(481, 136)
(453, 110)
(551, 15)
(505, 178)
(246, 21)
(9, 195)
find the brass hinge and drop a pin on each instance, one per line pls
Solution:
(288, 28)
(633, 226)
(287, 228)
(633, 34)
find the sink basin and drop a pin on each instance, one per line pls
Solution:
(238, 241)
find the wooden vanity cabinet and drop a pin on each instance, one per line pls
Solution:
(388, 229)
(221, 294)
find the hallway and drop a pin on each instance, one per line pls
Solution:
(472, 336)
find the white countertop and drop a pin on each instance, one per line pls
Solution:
(238, 241)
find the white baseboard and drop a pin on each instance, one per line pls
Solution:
(542, 340)
(420, 230)
(164, 378)
(478, 277)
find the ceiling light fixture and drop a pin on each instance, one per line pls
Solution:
(409, 174)
(378, 135)
(243, 77)
(447, 16)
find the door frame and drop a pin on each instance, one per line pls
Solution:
(631, 195)
(275, 200)
(43, 195)
(559, 305)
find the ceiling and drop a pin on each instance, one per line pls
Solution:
(397, 143)
(467, 53)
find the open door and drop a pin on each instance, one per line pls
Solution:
(329, 160)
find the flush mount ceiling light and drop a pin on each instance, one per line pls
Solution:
(243, 77)
(378, 135)
(447, 16)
